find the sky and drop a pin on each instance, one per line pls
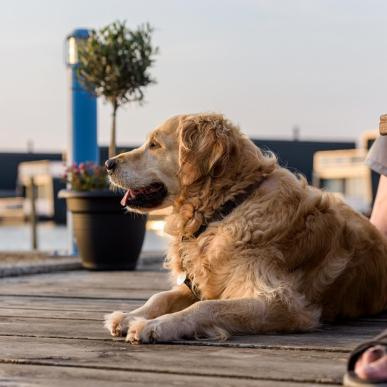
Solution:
(268, 65)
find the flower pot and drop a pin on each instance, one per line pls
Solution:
(108, 238)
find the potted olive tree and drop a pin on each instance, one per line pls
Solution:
(114, 63)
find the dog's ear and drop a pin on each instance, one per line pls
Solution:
(205, 146)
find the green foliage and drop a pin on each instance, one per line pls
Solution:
(114, 62)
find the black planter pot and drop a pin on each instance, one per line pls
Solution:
(107, 237)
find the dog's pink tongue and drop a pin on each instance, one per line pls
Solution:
(124, 200)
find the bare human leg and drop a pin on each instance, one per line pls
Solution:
(372, 364)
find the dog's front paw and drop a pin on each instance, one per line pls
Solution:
(159, 330)
(117, 323)
(114, 323)
(135, 331)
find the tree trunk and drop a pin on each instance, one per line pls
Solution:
(112, 146)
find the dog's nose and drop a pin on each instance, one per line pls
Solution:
(110, 165)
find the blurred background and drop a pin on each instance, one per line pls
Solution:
(304, 78)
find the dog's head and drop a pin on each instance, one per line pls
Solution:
(182, 151)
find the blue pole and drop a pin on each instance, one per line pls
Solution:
(83, 131)
(83, 145)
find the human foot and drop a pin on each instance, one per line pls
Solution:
(367, 364)
(372, 364)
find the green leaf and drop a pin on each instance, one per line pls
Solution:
(115, 61)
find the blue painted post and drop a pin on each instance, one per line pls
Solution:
(83, 145)
(83, 132)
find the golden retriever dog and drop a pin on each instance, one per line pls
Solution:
(254, 249)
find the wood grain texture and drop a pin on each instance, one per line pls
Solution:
(201, 361)
(41, 375)
(51, 333)
(90, 326)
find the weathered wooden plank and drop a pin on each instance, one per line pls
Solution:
(90, 294)
(83, 319)
(56, 312)
(55, 321)
(41, 375)
(65, 304)
(52, 314)
(92, 285)
(83, 279)
(101, 306)
(254, 364)
(84, 284)
(75, 312)
(339, 338)
(134, 295)
(62, 307)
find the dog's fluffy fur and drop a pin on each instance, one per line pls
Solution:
(285, 259)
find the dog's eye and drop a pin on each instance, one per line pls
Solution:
(153, 144)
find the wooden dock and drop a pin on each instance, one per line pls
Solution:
(51, 334)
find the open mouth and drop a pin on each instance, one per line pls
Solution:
(145, 197)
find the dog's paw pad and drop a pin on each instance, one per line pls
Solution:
(113, 323)
(135, 329)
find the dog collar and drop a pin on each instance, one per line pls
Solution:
(183, 278)
(227, 208)
(219, 214)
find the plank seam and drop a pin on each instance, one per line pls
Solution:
(169, 372)
(59, 310)
(199, 344)
(74, 297)
(54, 318)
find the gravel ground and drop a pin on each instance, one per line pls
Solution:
(22, 263)
(10, 257)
